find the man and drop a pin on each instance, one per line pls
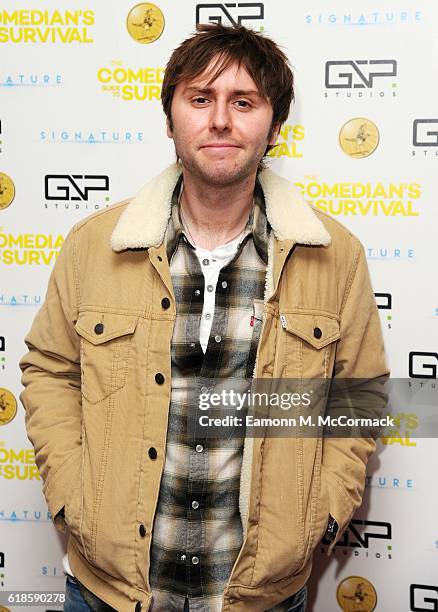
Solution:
(217, 270)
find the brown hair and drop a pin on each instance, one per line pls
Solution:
(263, 59)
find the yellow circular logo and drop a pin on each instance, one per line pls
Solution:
(8, 407)
(7, 190)
(3, 609)
(356, 594)
(359, 137)
(145, 22)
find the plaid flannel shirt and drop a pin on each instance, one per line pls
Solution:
(197, 530)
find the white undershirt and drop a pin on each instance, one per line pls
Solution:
(211, 263)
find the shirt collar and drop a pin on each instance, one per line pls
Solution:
(257, 224)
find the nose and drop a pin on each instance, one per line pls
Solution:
(220, 118)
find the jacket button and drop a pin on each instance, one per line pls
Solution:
(138, 606)
(165, 303)
(142, 531)
(98, 329)
(317, 333)
(152, 452)
(159, 378)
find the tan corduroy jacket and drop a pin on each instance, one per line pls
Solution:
(97, 381)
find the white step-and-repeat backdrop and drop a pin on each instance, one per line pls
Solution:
(81, 127)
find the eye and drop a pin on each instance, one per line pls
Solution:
(200, 100)
(243, 104)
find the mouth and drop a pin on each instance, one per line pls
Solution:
(220, 145)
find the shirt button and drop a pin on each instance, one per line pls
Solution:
(159, 378)
(195, 560)
(205, 262)
(197, 292)
(317, 333)
(207, 315)
(199, 448)
(183, 557)
(165, 303)
(152, 452)
(142, 531)
(204, 389)
(210, 288)
(98, 329)
(217, 338)
(224, 284)
(195, 505)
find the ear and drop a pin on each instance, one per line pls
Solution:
(169, 128)
(274, 134)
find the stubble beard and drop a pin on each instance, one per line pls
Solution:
(220, 174)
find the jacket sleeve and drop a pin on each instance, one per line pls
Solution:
(360, 359)
(52, 385)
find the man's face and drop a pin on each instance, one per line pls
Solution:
(221, 130)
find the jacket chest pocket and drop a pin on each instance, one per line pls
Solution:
(106, 340)
(309, 343)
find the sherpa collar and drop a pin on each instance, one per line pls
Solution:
(143, 222)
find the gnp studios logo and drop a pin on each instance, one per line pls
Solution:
(7, 190)
(145, 22)
(76, 191)
(425, 138)
(356, 593)
(423, 364)
(359, 137)
(384, 304)
(249, 14)
(421, 596)
(2, 572)
(360, 78)
(2, 353)
(367, 540)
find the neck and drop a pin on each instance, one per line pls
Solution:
(216, 214)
